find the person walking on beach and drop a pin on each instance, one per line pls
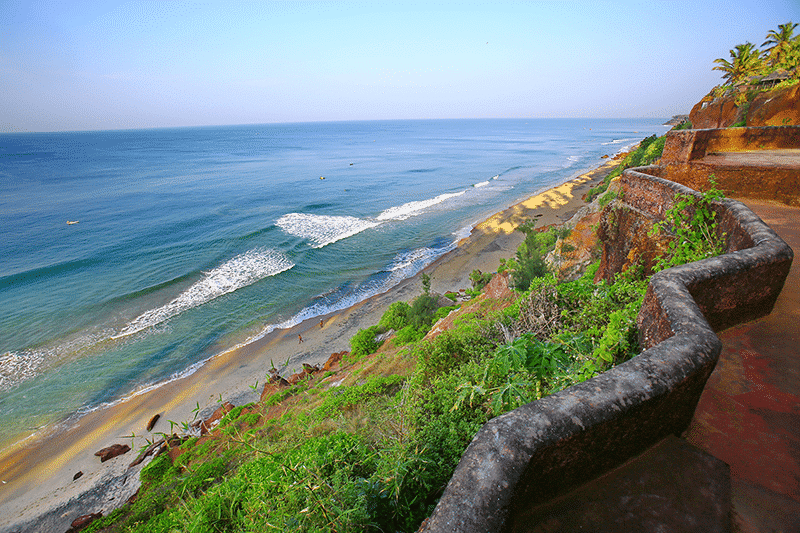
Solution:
(320, 323)
(300, 339)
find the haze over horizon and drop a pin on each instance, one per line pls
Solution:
(93, 65)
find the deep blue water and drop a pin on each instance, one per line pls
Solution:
(191, 240)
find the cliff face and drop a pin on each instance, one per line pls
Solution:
(779, 107)
(718, 113)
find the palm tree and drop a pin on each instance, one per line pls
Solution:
(782, 44)
(745, 61)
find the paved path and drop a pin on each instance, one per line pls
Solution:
(766, 159)
(749, 414)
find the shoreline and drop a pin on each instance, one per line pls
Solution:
(37, 476)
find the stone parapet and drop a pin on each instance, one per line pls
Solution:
(760, 163)
(683, 146)
(545, 448)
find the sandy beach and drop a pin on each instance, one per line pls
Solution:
(37, 475)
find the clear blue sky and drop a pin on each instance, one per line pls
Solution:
(86, 65)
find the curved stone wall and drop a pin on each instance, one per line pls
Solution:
(547, 447)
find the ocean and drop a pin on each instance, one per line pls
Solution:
(130, 257)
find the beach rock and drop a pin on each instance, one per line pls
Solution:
(498, 287)
(778, 107)
(276, 379)
(677, 120)
(152, 423)
(715, 113)
(112, 451)
(148, 452)
(271, 388)
(383, 337)
(82, 522)
(334, 360)
(215, 417)
(78, 475)
(294, 379)
(310, 369)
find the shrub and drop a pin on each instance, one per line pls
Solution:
(363, 343)
(409, 334)
(341, 398)
(396, 316)
(529, 263)
(649, 149)
(422, 310)
(479, 279)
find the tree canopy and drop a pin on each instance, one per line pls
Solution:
(780, 51)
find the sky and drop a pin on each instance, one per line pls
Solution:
(98, 65)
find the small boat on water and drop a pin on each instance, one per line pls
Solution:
(71, 222)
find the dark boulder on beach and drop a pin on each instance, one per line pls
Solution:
(310, 369)
(112, 451)
(152, 423)
(82, 522)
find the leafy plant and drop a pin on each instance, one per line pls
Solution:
(691, 225)
(479, 279)
(426, 284)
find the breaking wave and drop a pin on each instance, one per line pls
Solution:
(241, 271)
(322, 230)
(410, 209)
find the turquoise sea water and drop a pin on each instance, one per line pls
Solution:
(188, 241)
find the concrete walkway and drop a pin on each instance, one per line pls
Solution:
(737, 468)
(749, 414)
(762, 159)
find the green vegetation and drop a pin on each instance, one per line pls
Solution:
(745, 61)
(376, 454)
(410, 322)
(529, 260)
(649, 149)
(692, 227)
(479, 279)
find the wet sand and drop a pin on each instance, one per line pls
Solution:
(37, 476)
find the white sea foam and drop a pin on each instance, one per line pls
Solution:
(241, 271)
(16, 367)
(411, 209)
(322, 230)
(19, 366)
(481, 184)
(617, 141)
